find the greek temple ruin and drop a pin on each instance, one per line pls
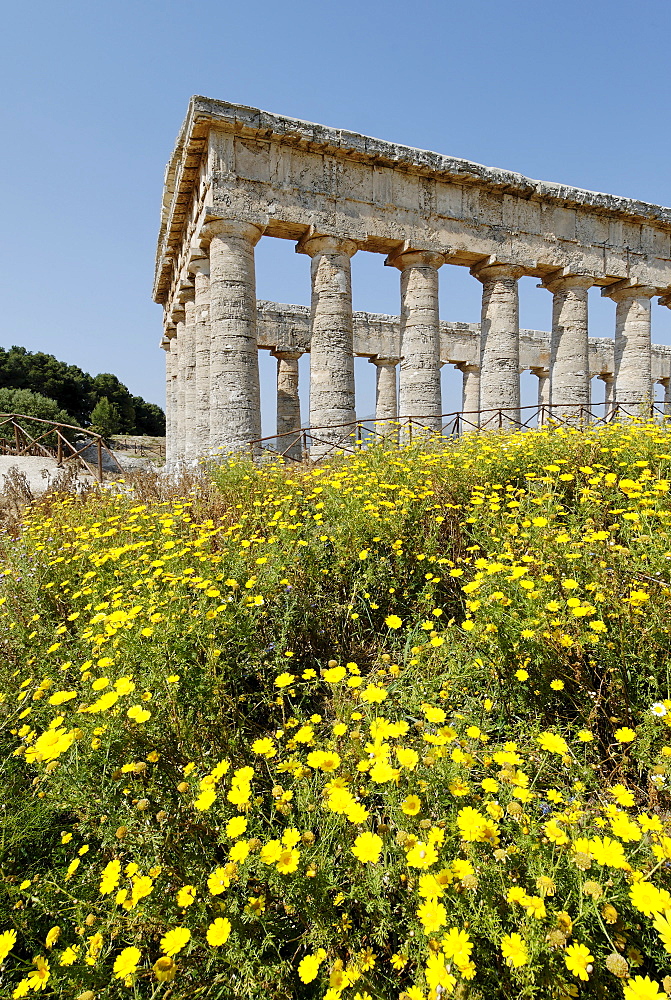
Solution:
(238, 174)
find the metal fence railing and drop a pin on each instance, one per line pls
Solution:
(350, 437)
(62, 442)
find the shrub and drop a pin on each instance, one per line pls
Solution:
(395, 726)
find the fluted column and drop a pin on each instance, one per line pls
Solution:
(419, 382)
(165, 344)
(189, 370)
(470, 395)
(569, 345)
(180, 346)
(499, 341)
(171, 426)
(666, 382)
(200, 269)
(235, 412)
(633, 362)
(331, 341)
(288, 404)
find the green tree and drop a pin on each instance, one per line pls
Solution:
(32, 404)
(108, 386)
(149, 418)
(105, 418)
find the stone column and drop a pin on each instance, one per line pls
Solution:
(172, 428)
(288, 404)
(499, 342)
(470, 396)
(419, 389)
(235, 411)
(200, 269)
(666, 382)
(179, 317)
(386, 396)
(608, 380)
(633, 362)
(331, 341)
(543, 398)
(165, 344)
(569, 345)
(189, 373)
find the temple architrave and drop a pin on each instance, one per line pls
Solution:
(238, 174)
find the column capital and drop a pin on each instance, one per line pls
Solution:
(467, 367)
(628, 289)
(165, 343)
(492, 270)
(385, 362)
(287, 353)
(540, 372)
(199, 265)
(230, 227)
(186, 293)
(407, 256)
(313, 243)
(177, 313)
(607, 377)
(665, 298)
(563, 279)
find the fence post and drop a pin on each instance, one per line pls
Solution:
(100, 460)
(59, 453)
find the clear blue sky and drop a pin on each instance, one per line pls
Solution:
(94, 94)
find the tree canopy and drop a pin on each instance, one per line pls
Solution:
(75, 392)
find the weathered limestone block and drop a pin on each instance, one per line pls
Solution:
(633, 365)
(331, 348)
(499, 339)
(289, 441)
(569, 344)
(235, 414)
(419, 390)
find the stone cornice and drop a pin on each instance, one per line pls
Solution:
(253, 123)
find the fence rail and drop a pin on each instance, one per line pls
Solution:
(352, 436)
(52, 440)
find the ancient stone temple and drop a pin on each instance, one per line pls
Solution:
(238, 174)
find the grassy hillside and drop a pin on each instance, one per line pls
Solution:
(392, 727)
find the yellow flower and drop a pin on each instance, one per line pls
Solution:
(7, 942)
(367, 848)
(642, 988)
(625, 735)
(288, 861)
(553, 743)
(110, 877)
(411, 805)
(218, 881)
(164, 969)
(421, 855)
(514, 950)
(432, 916)
(138, 714)
(579, 960)
(126, 962)
(333, 675)
(308, 967)
(264, 747)
(236, 826)
(52, 937)
(218, 932)
(284, 680)
(648, 899)
(174, 940)
(186, 895)
(393, 621)
(662, 924)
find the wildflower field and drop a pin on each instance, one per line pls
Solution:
(395, 727)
